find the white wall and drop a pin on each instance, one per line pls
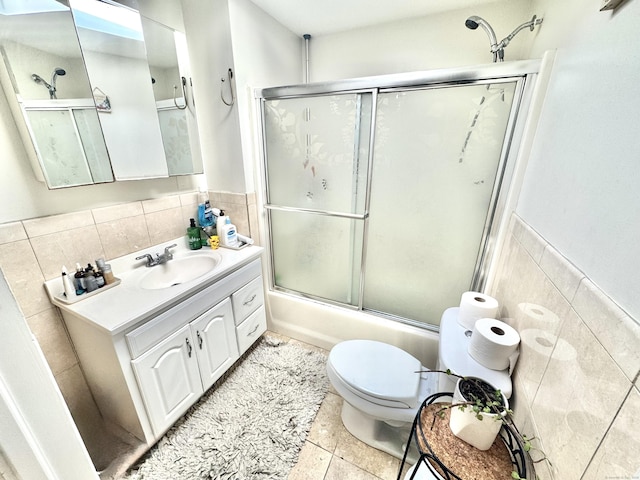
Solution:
(424, 43)
(265, 54)
(581, 187)
(208, 35)
(37, 433)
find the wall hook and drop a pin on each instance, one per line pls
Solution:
(233, 96)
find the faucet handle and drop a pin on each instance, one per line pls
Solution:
(148, 257)
(166, 249)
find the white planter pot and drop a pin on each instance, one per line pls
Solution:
(464, 424)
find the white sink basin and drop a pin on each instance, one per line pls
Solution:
(178, 271)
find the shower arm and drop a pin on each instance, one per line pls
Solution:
(499, 48)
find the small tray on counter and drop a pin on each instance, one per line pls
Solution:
(61, 297)
(240, 246)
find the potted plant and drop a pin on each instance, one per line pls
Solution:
(477, 412)
(478, 406)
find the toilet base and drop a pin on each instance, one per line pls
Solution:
(377, 433)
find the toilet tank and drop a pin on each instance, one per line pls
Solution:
(453, 355)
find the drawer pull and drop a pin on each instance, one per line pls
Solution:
(188, 347)
(254, 330)
(248, 302)
(199, 339)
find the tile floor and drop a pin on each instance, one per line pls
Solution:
(332, 453)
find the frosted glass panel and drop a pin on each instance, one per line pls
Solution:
(436, 157)
(317, 255)
(59, 148)
(175, 138)
(317, 151)
(93, 144)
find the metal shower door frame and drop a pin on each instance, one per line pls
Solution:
(524, 73)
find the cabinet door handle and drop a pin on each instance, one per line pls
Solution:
(248, 302)
(199, 339)
(254, 330)
(189, 348)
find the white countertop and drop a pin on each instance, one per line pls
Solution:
(124, 305)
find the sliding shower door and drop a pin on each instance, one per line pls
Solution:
(383, 200)
(437, 160)
(317, 154)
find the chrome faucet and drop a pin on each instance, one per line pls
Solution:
(159, 259)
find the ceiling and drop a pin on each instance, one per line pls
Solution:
(320, 17)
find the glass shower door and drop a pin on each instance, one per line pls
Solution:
(437, 165)
(317, 153)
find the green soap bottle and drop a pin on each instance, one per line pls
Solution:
(193, 235)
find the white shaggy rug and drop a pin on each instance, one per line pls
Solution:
(252, 426)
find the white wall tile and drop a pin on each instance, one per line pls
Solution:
(617, 332)
(577, 400)
(117, 212)
(11, 232)
(618, 457)
(36, 227)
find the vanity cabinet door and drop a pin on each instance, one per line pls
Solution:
(169, 379)
(216, 348)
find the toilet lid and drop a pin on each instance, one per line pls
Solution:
(377, 370)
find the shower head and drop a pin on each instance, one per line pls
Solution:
(57, 72)
(497, 49)
(474, 22)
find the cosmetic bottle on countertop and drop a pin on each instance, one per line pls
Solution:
(193, 235)
(67, 283)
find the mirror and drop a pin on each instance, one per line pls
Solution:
(171, 80)
(81, 76)
(115, 57)
(45, 70)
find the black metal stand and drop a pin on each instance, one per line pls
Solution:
(509, 435)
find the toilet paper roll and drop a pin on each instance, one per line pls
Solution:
(494, 344)
(476, 305)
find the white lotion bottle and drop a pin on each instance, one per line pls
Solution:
(228, 235)
(220, 222)
(67, 283)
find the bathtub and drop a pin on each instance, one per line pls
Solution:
(326, 325)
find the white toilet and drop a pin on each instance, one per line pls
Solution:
(382, 391)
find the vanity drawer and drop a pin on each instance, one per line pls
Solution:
(246, 300)
(251, 329)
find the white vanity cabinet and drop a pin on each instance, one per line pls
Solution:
(173, 374)
(149, 355)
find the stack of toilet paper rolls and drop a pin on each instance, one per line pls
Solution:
(493, 344)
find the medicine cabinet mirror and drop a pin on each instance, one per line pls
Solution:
(172, 89)
(79, 83)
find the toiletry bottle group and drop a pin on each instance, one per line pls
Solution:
(88, 279)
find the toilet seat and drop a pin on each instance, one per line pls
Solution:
(377, 372)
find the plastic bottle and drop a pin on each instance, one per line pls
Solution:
(107, 273)
(90, 281)
(220, 222)
(79, 280)
(228, 235)
(193, 235)
(67, 283)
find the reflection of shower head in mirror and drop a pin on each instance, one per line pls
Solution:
(57, 72)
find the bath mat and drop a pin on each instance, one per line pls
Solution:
(251, 426)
